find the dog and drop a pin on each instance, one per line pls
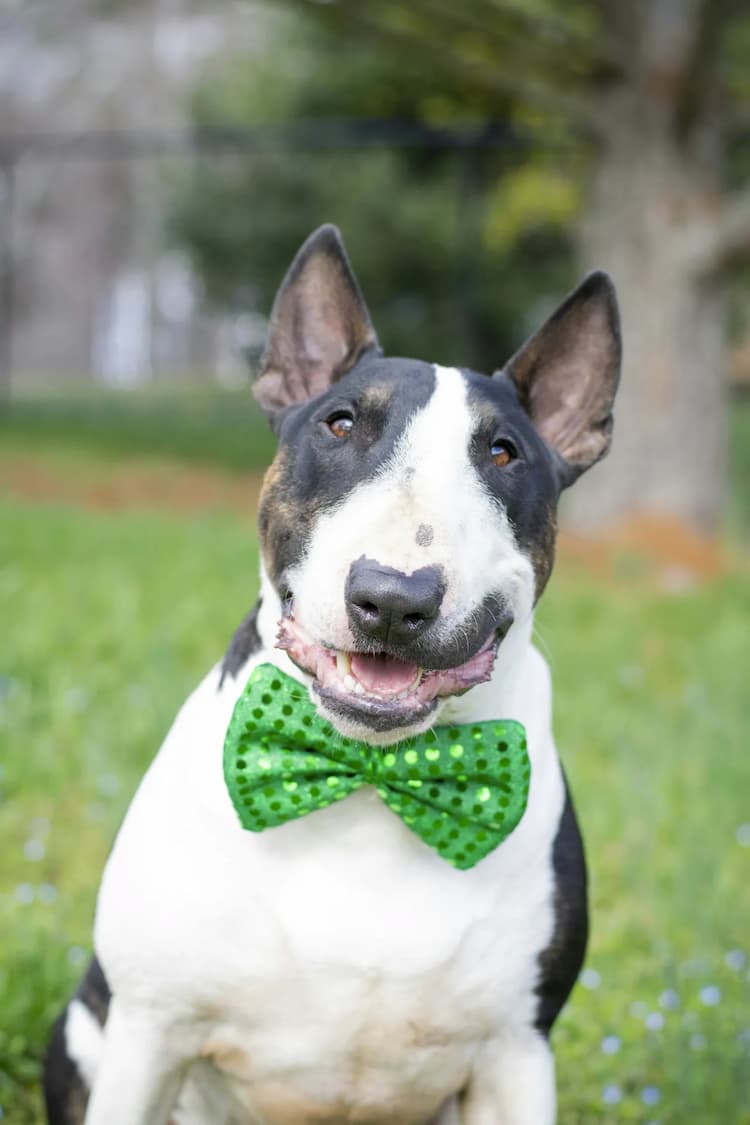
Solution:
(336, 968)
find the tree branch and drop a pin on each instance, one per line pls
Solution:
(713, 244)
(498, 82)
(699, 87)
(555, 32)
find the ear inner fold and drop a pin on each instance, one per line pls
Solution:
(319, 325)
(567, 374)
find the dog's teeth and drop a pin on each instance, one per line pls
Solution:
(358, 689)
(343, 663)
(349, 683)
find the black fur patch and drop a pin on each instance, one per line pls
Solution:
(529, 487)
(560, 963)
(65, 1093)
(313, 470)
(245, 642)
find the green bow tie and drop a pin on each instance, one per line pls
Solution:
(462, 789)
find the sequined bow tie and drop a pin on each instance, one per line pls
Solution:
(462, 789)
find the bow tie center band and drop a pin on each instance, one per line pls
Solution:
(462, 789)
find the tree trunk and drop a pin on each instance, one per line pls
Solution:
(668, 451)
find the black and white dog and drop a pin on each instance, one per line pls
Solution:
(336, 969)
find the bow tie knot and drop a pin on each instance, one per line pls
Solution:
(462, 789)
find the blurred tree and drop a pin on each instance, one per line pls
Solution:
(451, 260)
(654, 91)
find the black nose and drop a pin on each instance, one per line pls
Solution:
(390, 606)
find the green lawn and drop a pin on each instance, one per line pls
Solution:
(194, 421)
(110, 619)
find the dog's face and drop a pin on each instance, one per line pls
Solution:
(408, 520)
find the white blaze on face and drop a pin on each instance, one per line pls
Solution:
(428, 481)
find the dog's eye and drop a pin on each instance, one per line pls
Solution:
(340, 424)
(502, 453)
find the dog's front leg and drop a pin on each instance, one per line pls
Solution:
(513, 1083)
(140, 1072)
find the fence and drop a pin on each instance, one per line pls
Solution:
(87, 285)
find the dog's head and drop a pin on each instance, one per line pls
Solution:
(408, 520)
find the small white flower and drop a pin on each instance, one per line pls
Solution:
(25, 893)
(697, 1042)
(612, 1094)
(669, 1000)
(710, 995)
(742, 835)
(631, 675)
(34, 850)
(109, 784)
(591, 978)
(735, 959)
(611, 1044)
(47, 892)
(76, 955)
(75, 699)
(650, 1095)
(654, 1021)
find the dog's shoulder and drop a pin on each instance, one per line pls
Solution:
(560, 963)
(245, 642)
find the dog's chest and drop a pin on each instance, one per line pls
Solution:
(351, 971)
(331, 969)
(363, 980)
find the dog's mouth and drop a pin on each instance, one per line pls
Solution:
(378, 690)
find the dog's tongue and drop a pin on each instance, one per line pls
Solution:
(383, 675)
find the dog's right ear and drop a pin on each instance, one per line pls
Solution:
(319, 326)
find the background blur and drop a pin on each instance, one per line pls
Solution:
(159, 165)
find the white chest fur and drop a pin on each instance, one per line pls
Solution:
(334, 965)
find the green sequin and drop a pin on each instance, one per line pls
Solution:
(279, 765)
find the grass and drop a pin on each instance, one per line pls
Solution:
(195, 422)
(109, 619)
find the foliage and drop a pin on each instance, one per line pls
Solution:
(554, 58)
(420, 224)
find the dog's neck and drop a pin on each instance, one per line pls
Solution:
(502, 696)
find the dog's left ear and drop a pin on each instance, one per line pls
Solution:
(319, 325)
(567, 374)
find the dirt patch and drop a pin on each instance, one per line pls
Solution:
(116, 487)
(663, 547)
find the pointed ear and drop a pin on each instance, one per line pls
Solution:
(319, 325)
(567, 373)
